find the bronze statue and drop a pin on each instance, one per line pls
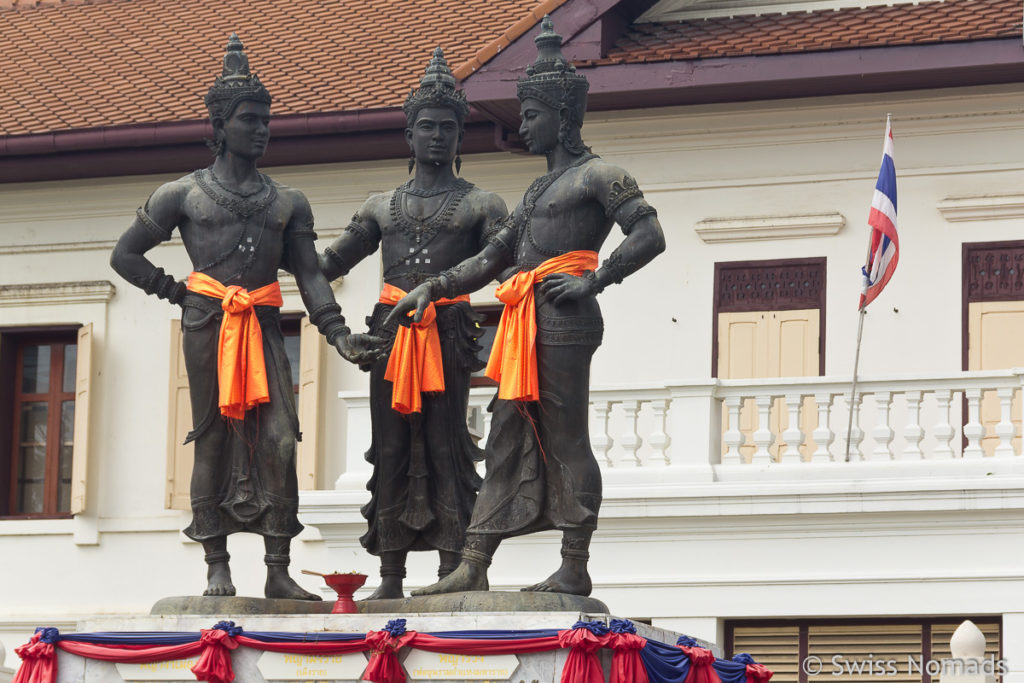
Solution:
(424, 482)
(541, 473)
(239, 227)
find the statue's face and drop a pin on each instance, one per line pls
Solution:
(247, 130)
(434, 136)
(539, 129)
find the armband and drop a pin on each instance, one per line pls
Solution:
(621, 192)
(336, 260)
(357, 228)
(616, 268)
(304, 232)
(329, 321)
(447, 285)
(636, 214)
(164, 286)
(151, 226)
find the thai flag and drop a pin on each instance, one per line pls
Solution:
(884, 248)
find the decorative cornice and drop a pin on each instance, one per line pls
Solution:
(982, 207)
(57, 293)
(756, 228)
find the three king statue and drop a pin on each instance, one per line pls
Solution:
(440, 238)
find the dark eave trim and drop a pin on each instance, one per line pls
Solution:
(765, 77)
(178, 146)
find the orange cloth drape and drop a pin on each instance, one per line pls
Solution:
(414, 365)
(241, 367)
(513, 361)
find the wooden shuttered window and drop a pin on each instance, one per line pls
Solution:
(942, 632)
(854, 651)
(857, 652)
(777, 647)
(179, 422)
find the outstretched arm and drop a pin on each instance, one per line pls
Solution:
(153, 224)
(317, 297)
(466, 277)
(357, 241)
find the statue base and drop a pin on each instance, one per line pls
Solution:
(485, 601)
(254, 666)
(216, 606)
(471, 601)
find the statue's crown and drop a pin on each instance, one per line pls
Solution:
(551, 78)
(437, 89)
(235, 83)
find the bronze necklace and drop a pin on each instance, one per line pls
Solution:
(239, 205)
(421, 232)
(243, 195)
(420, 229)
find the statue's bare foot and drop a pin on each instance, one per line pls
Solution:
(390, 588)
(467, 577)
(218, 580)
(280, 585)
(570, 578)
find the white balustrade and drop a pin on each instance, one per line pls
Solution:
(1005, 429)
(974, 430)
(882, 433)
(913, 432)
(792, 435)
(681, 424)
(823, 436)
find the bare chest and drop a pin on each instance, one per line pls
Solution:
(558, 216)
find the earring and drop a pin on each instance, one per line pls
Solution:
(458, 164)
(412, 161)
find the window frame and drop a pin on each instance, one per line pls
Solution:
(13, 342)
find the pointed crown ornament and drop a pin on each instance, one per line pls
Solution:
(552, 79)
(437, 89)
(235, 83)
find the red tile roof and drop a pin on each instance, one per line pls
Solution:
(93, 63)
(939, 21)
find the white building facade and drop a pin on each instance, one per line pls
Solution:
(719, 397)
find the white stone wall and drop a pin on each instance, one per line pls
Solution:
(673, 550)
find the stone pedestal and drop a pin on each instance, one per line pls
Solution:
(250, 665)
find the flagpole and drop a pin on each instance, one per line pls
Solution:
(862, 311)
(853, 392)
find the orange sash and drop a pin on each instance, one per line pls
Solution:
(414, 365)
(513, 361)
(241, 368)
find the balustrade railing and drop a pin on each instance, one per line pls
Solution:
(803, 419)
(967, 415)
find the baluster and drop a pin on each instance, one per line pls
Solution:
(856, 433)
(659, 439)
(913, 432)
(823, 434)
(630, 440)
(602, 442)
(1005, 429)
(733, 437)
(882, 433)
(763, 434)
(944, 431)
(792, 435)
(974, 430)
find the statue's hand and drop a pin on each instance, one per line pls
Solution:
(416, 300)
(361, 349)
(561, 288)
